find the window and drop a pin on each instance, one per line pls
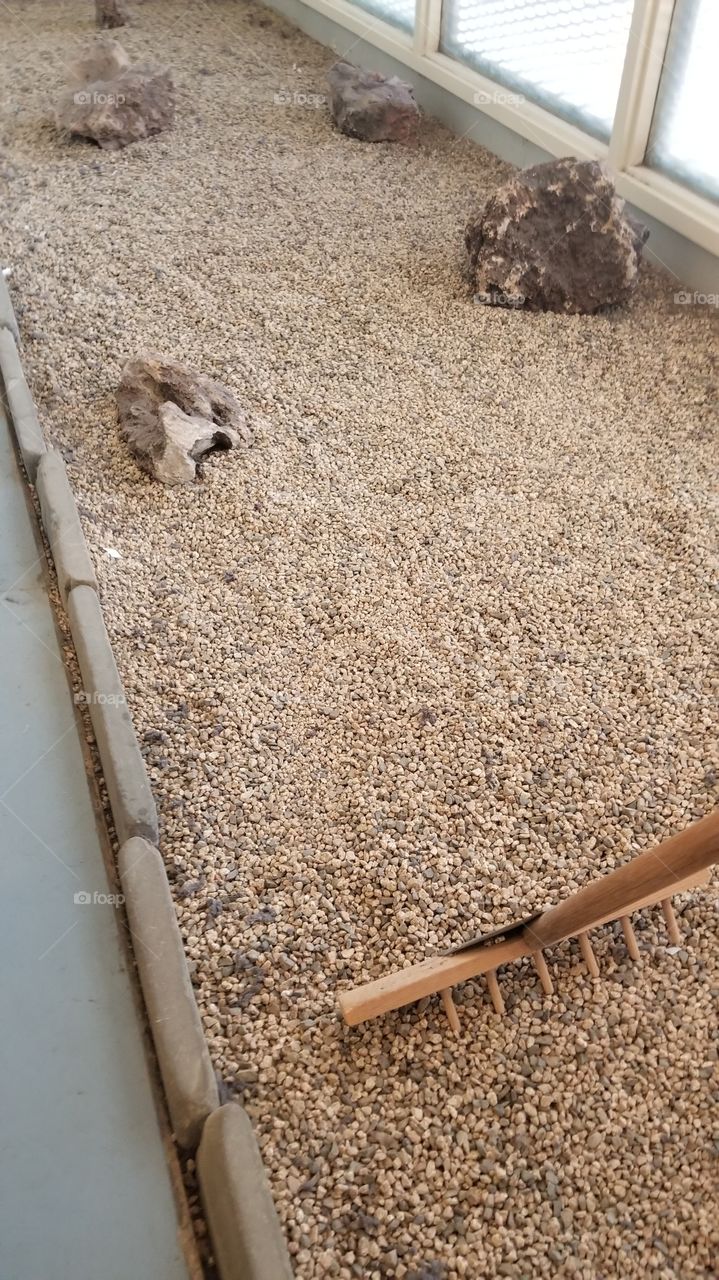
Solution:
(566, 55)
(683, 141)
(399, 12)
(629, 81)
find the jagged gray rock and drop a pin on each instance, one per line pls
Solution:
(111, 13)
(113, 102)
(367, 105)
(172, 417)
(555, 238)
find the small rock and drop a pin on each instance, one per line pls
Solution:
(367, 105)
(555, 238)
(111, 13)
(172, 417)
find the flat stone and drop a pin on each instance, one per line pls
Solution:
(370, 106)
(20, 404)
(173, 417)
(182, 1053)
(246, 1236)
(133, 808)
(62, 525)
(555, 238)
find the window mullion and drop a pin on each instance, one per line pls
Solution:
(646, 49)
(427, 24)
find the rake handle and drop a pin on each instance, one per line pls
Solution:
(658, 870)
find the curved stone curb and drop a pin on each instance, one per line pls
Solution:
(133, 808)
(62, 526)
(20, 404)
(246, 1235)
(180, 1044)
(7, 314)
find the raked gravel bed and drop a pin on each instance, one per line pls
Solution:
(438, 648)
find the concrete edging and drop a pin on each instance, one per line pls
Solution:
(62, 526)
(246, 1234)
(180, 1043)
(131, 801)
(20, 404)
(7, 313)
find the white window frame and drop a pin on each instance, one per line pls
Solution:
(692, 215)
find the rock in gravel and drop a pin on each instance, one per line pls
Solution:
(555, 238)
(370, 106)
(103, 59)
(172, 417)
(112, 102)
(111, 13)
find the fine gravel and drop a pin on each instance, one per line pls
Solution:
(435, 650)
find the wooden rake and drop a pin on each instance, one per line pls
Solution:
(680, 863)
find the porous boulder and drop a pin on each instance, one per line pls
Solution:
(111, 13)
(173, 417)
(112, 102)
(104, 59)
(367, 105)
(555, 238)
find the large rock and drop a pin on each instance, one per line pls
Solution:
(111, 13)
(112, 102)
(367, 105)
(555, 238)
(104, 59)
(172, 417)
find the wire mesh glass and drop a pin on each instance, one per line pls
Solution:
(400, 13)
(683, 140)
(566, 55)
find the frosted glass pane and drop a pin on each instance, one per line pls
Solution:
(683, 140)
(567, 55)
(399, 12)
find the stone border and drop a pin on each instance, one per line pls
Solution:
(7, 315)
(62, 526)
(21, 409)
(246, 1235)
(180, 1044)
(240, 1213)
(128, 787)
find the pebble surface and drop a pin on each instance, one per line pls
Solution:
(436, 649)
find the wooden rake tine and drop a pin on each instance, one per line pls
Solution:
(679, 863)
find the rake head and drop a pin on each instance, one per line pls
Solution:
(678, 864)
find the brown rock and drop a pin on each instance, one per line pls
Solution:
(111, 13)
(555, 238)
(103, 59)
(172, 417)
(129, 107)
(367, 105)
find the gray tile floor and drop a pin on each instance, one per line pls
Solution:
(84, 1187)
